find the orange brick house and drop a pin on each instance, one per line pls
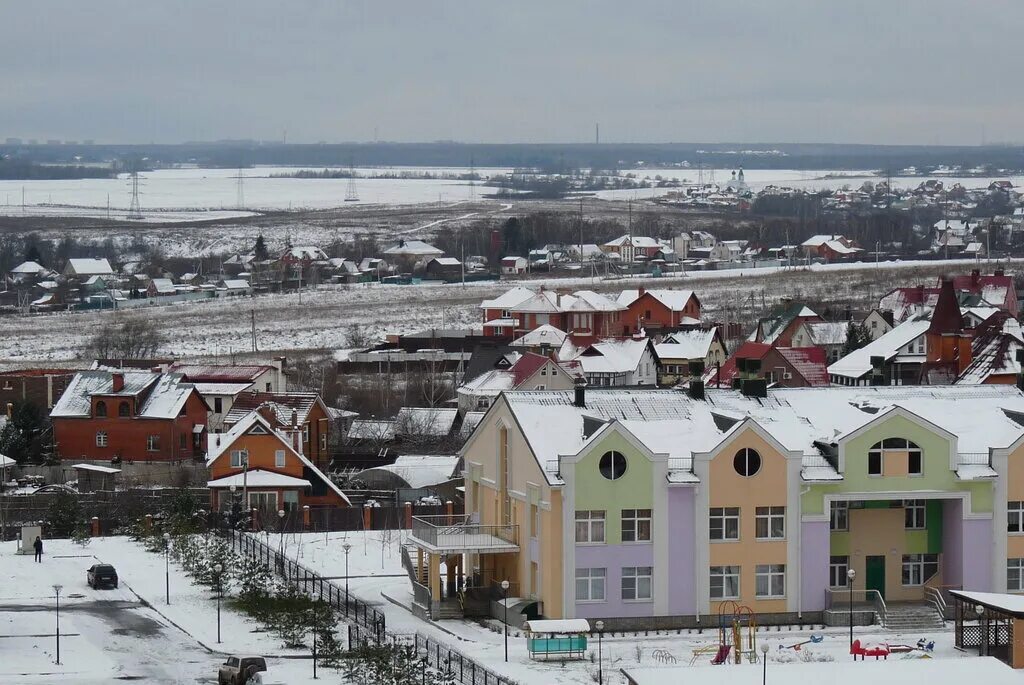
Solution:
(659, 310)
(303, 409)
(129, 415)
(266, 465)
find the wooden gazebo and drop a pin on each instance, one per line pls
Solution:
(987, 622)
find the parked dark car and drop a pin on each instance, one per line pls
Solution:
(241, 670)
(101, 575)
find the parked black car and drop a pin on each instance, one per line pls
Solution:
(101, 575)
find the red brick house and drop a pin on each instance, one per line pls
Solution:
(41, 387)
(304, 410)
(785, 367)
(265, 463)
(659, 310)
(129, 415)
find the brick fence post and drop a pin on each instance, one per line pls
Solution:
(408, 515)
(95, 526)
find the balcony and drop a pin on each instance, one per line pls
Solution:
(457, 534)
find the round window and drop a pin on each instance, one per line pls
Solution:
(747, 462)
(613, 465)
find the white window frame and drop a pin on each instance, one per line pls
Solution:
(1015, 571)
(280, 459)
(260, 497)
(150, 446)
(916, 510)
(639, 522)
(591, 523)
(593, 580)
(239, 458)
(102, 439)
(720, 520)
(724, 574)
(773, 521)
(837, 571)
(773, 578)
(637, 583)
(1015, 518)
(839, 510)
(916, 564)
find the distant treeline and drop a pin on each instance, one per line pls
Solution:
(544, 157)
(405, 174)
(21, 170)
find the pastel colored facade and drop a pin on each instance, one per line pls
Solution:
(647, 508)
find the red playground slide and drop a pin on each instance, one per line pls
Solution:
(722, 656)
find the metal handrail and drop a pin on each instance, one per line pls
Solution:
(836, 599)
(878, 601)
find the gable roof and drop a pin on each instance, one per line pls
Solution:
(858, 362)
(809, 362)
(222, 442)
(508, 299)
(413, 248)
(220, 373)
(159, 395)
(675, 300)
(282, 403)
(545, 334)
(90, 266)
(693, 344)
(607, 355)
(827, 332)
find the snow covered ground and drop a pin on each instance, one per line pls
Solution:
(149, 217)
(128, 633)
(375, 575)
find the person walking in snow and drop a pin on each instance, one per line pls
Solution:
(38, 545)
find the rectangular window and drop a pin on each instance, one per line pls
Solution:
(724, 523)
(770, 580)
(770, 523)
(279, 458)
(590, 584)
(1015, 517)
(534, 520)
(725, 582)
(153, 443)
(305, 433)
(101, 438)
(918, 568)
(914, 462)
(837, 570)
(636, 583)
(182, 441)
(265, 501)
(218, 405)
(913, 514)
(589, 526)
(839, 516)
(323, 442)
(875, 462)
(1015, 575)
(239, 458)
(636, 525)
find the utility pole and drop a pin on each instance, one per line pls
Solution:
(239, 191)
(254, 349)
(581, 231)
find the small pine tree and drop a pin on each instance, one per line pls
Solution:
(857, 336)
(260, 250)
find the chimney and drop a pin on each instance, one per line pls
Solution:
(975, 276)
(118, 381)
(641, 292)
(696, 380)
(580, 392)
(1000, 272)
(295, 418)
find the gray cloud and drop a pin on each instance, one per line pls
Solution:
(904, 71)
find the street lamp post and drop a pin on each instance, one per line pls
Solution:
(315, 619)
(167, 567)
(983, 642)
(504, 601)
(764, 664)
(56, 591)
(346, 547)
(232, 520)
(850, 575)
(600, 655)
(218, 568)
(280, 531)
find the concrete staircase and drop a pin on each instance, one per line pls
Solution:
(913, 618)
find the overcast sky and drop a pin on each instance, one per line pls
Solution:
(871, 71)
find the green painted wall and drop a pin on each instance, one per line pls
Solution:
(937, 475)
(933, 520)
(632, 491)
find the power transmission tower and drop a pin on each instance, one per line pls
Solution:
(351, 195)
(240, 190)
(472, 179)
(134, 209)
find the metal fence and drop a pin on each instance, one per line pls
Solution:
(353, 609)
(366, 624)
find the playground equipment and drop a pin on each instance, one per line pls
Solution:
(815, 639)
(877, 651)
(737, 632)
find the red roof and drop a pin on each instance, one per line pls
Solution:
(748, 350)
(219, 373)
(526, 367)
(946, 318)
(809, 362)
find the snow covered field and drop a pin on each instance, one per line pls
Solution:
(376, 576)
(128, 633)
(149, 217)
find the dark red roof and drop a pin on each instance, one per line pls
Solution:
(748, 350)
(283, 404)
(809, 362)
(946, 318)
(526, 367)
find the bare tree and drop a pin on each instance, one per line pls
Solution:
(130, 337)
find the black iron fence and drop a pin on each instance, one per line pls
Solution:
(448, 660)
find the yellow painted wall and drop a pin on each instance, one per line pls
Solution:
(727, 488)
(1015, 493)
(882, 532)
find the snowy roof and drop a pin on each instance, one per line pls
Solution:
(220, 373)
(421, 471)
(555, 625)
(607, 356)
(236, 284)
(686, 345)
(446, 261)
(413, 248)
(858, 362)
(672, 423)
(490, 383)
(470, 421)
(1011, 604)
(259, 478)
(97, 469)
(508, 299)
(90, 267)
(306, 252)
(7, 462)
(673, 299)
(221, 388)
(635, 241)
(28, 268)
(827, 332)
(589, 301)
(371, 429)
(543, 302)
(282, 404)
(161, 394)
(819, 240)
(545, 334)
(425, 421)
(163, 285)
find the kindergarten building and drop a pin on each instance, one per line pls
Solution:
(651, 508)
